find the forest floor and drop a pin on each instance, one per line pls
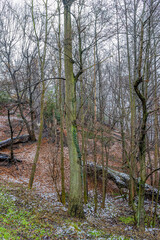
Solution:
(28, 214)
(38, 214)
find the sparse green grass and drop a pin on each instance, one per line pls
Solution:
(18, 223)
(97, 233)
(24, 215)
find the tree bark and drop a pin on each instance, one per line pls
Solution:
(61, 107)
(75, 208)
(42, 60)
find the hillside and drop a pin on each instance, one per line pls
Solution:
(40, 215)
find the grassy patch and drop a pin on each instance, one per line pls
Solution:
(24, 215)
(18, 223)
(96, 233)
(127, 220)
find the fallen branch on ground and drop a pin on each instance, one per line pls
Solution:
(20, 139)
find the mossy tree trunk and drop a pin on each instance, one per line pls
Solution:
(75, 208)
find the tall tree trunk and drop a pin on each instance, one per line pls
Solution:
(84, 170)
(42, 60)
(32, 132)
(61, 107)
(121, 96)
(83, 147)
(94, 128)
(75, 208)
(142, 138)
(103, 171)
(85, 185)
(132, 105)
(156, 124)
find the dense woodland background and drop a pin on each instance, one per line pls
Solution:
(83, 77)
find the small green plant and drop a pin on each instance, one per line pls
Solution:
(4, 97)
(76, 227)
(127, 220)
(90, 135)
(149, 221)
(50, 110)
(18, 115)
(96, 233)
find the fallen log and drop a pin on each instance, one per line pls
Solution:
(7, 159)
(120, 179)
(20, 139)
(4, 157)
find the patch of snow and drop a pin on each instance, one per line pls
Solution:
(13, 197)
(129, 228)
(152, 229)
